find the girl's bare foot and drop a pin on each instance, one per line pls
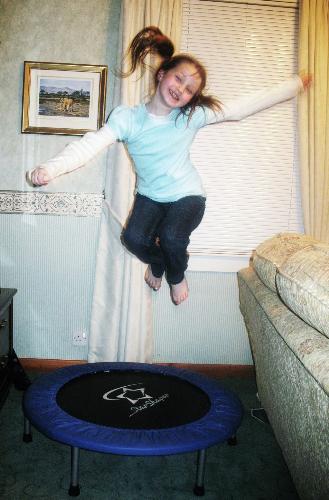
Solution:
(179, 292)
(152, 281)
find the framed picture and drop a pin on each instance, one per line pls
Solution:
(63, 98)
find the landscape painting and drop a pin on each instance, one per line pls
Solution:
(61, 98)
(64, 97)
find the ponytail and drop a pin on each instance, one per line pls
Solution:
(149, 40)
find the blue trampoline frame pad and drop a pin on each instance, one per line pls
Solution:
(217, 425)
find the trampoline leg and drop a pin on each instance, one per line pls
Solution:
(232, 441)
(27, 436)
(200, 472)
(74, 489)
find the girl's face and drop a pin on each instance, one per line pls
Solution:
(178, 85)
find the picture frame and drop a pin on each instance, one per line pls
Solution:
(61, 98)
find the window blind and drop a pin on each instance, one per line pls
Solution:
(249, 168)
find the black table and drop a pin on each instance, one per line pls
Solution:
(11, 370)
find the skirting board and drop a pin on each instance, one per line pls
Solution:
(211, 370)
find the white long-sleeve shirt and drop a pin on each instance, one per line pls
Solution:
(160, 145)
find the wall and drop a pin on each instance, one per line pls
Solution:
(208, 328)
(51, 259)
(77, 31)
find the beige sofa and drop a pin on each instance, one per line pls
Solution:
(284, 299)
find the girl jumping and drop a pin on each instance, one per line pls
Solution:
(170, 199)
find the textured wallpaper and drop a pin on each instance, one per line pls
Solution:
(50, 259)
(208, 328)
(63, 31)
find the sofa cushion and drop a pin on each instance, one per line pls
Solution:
(303, 285)
(272, 253)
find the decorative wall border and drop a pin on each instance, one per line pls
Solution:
(40, 203)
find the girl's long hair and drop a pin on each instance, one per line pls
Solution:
(151, 40)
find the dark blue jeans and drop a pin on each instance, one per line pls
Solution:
(159, 233)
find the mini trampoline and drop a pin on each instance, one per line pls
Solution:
(131, 409)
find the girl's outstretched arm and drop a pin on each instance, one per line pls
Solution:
(74, 155)
(247, 105)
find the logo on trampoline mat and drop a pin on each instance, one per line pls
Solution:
(134, 393)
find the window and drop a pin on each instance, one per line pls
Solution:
(249, 168)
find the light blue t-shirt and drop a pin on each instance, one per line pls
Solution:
(160, 149)
(160, 145)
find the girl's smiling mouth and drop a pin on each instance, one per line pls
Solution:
(174, 95)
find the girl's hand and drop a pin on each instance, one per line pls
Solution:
(307, 80)
(39, 177)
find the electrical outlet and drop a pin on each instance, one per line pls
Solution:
(79, 338)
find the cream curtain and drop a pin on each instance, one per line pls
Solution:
(314, 117)
(121, 320)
